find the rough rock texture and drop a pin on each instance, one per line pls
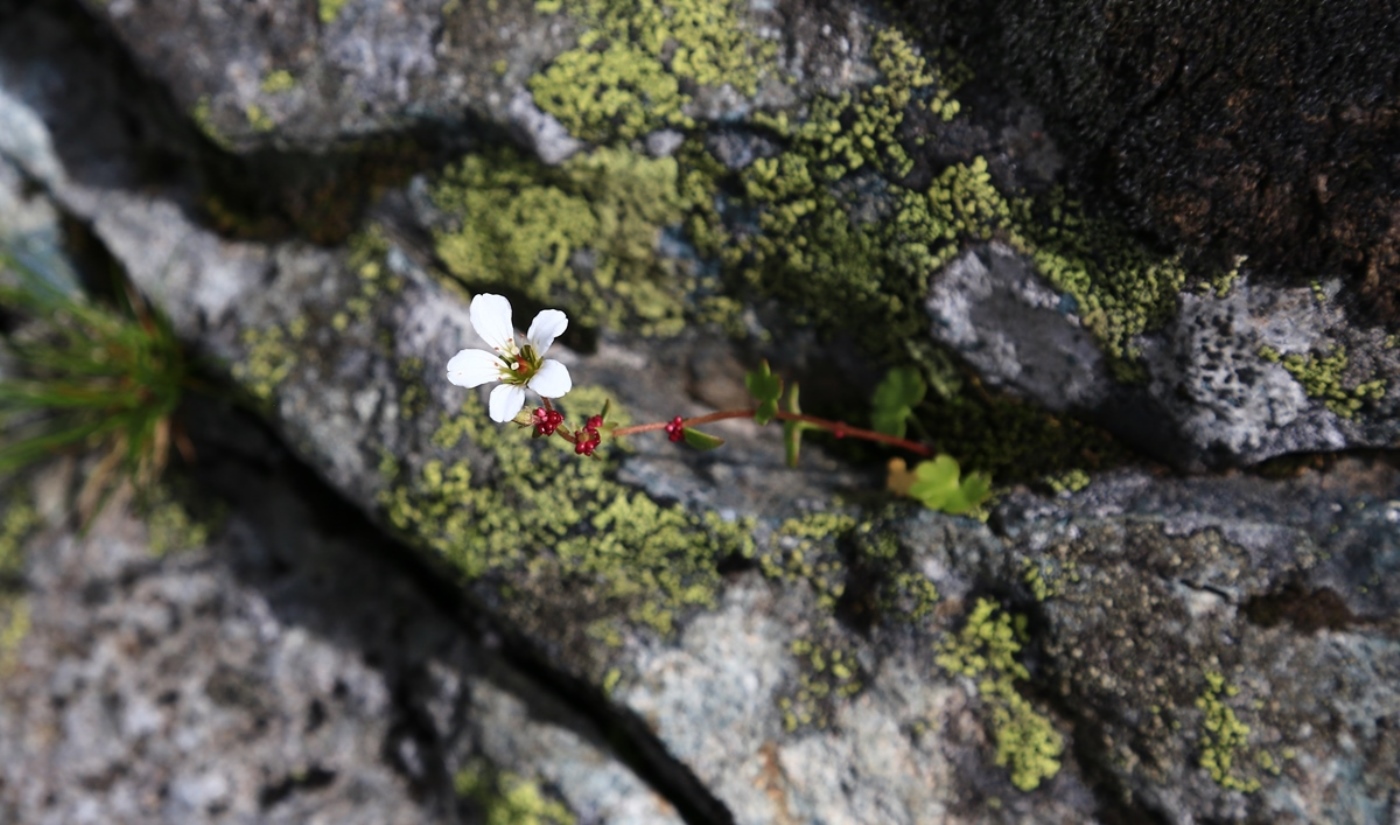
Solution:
(793, 645)
(271, 666)
(341, 100)
(1241, 373)
(1267, 130)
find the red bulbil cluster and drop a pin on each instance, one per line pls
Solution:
(546, 421)
(675, 428)
(587, 439)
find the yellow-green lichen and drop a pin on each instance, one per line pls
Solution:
(171, 528)
(1120, 288)
(803, 549)
(14, 626)
(545, 513)
(414, 396)
(277, 81)
(257, 118)
(826, 673)
(901, 590)
(985, 650)
(629, 72)
(270, 359)
(509, 799)
(582, 236)
(20, 518)
(848, 269)
(1322, 378)
(203, 116)
(1069, 481)
(329, 10)
(1222, 735)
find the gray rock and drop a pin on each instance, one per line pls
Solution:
(280, 672)
(991, 308)
(788, 644)
(1216, 392)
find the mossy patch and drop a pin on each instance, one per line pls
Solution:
(1322, 378)
(329, 10)
(203, 116)
(986, 649)
(271, 356)
(1223, 735)
(20, 518)
(542, 515)
(505, 798)
(837, 229)
(828, 673)
(582, 236)
(172, 527)
(14, 627)
(633, 66)
(277, 81)
(804, 549)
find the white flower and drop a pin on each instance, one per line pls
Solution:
(516, 367)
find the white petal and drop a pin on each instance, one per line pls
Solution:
(552, 380)
(491, 320)
(547, 326)
(474, 367)
(506, 401)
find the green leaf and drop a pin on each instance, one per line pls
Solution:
(902, 387)
(895, 399)
(977, 488)
(939, 488)
(766, 388)
(937, 482)
(701, 441)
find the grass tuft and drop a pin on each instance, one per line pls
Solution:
(83, 375)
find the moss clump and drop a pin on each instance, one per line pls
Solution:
(804, 549)
(20, 518)
(1120, 288)
(368, 253)
(270, 359)
(1222, 735)
(544, 515)
(329, 10)
(629, 73)
(826, 674)
(901, 590)
(258, 119)
(203, 116)
(1069, 481)
(171, 527)
(508, 799)
(582, 236)
(14, 626)
(277, 81)
(985, 649)
(1321, 376)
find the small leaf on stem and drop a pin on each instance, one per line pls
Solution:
(701, 441)
(766, 388)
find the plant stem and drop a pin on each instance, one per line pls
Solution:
(839, 428)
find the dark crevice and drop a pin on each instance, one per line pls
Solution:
(313, 779)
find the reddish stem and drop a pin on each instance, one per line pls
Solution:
(838, 427)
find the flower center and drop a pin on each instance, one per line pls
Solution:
(519, 367)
